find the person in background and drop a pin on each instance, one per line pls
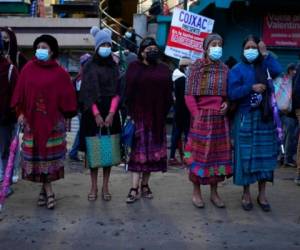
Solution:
(43, 98)
(148, 98)
(296, 108)
(254, 130)
(100, 97)
(8, 80)
(11, 50)
(289, 123)
(230, 62)
(73, 154)
(17, 58)
(181, 123)
(128, 41)
(208, 148)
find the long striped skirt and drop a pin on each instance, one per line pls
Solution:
(208, 151)
(255, 148)
(48, 167)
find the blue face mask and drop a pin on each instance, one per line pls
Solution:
(104, 51)
(128, 34)
(215, 53)
(42, 54)
(251, 54)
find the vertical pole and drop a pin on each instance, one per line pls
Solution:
(185, 4)
(100, 14)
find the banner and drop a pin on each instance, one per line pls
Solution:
(187, 33)
(282, 30)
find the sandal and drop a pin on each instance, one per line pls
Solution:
(264, 206)
(132, 198)
(42, 201)
(106, 196)
(92, 197)
(247, 206)
(146, 192)
(217, 203)
(198, 203)
(51, 201)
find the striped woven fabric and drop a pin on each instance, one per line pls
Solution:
(44, 168)
(256, 148)
(208, 151)
(207, 79)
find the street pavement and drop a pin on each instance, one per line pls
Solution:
(169, 221)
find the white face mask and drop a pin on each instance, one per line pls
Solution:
(128, 34)
(215, 53)
(251, 54)
(42, 54)
(104, 51)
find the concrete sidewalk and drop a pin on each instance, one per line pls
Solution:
(169, 221)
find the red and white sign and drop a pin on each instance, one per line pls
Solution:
(187, 33)
(282, 30)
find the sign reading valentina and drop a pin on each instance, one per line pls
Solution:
(282, 30)
(187, 33)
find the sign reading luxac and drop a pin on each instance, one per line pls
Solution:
(187, 33)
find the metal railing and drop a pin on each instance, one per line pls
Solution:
(110, 18)
(107, 21)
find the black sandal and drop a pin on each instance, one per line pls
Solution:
(132, 198)
(42, 201)
(264, 206)
(146, 192)
(51, 201)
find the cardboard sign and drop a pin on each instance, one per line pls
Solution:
(187, 33)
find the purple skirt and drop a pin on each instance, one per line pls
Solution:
(147, 155)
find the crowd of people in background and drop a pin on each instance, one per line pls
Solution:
(223, 125)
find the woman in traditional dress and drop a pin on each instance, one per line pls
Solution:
(99, 96)
(208, 147)
(255, 142)
(44, 97)
(149, 97)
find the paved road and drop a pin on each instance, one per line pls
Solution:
(167, 222)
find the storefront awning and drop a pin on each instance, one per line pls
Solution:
(203, 4)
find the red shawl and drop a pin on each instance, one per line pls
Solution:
(207, 78)
(44, 94)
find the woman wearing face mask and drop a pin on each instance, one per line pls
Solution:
(11, 51)
(99, 95)
(208, 147)
(129, 40)
(43, 98)
(255, 147)
(149, 97)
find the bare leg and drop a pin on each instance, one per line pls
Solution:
(262, 192)
(135, 179)
(197, 196)
(145, 178)
(214, 192)
(214, 196)
(50, 195)
(247, 194)
(106, 175)
(48, 188)
(94, 179)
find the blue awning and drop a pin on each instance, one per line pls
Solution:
(203, 4)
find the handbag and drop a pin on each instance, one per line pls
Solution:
(128, 132)
(103, 150)
(283, 94)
